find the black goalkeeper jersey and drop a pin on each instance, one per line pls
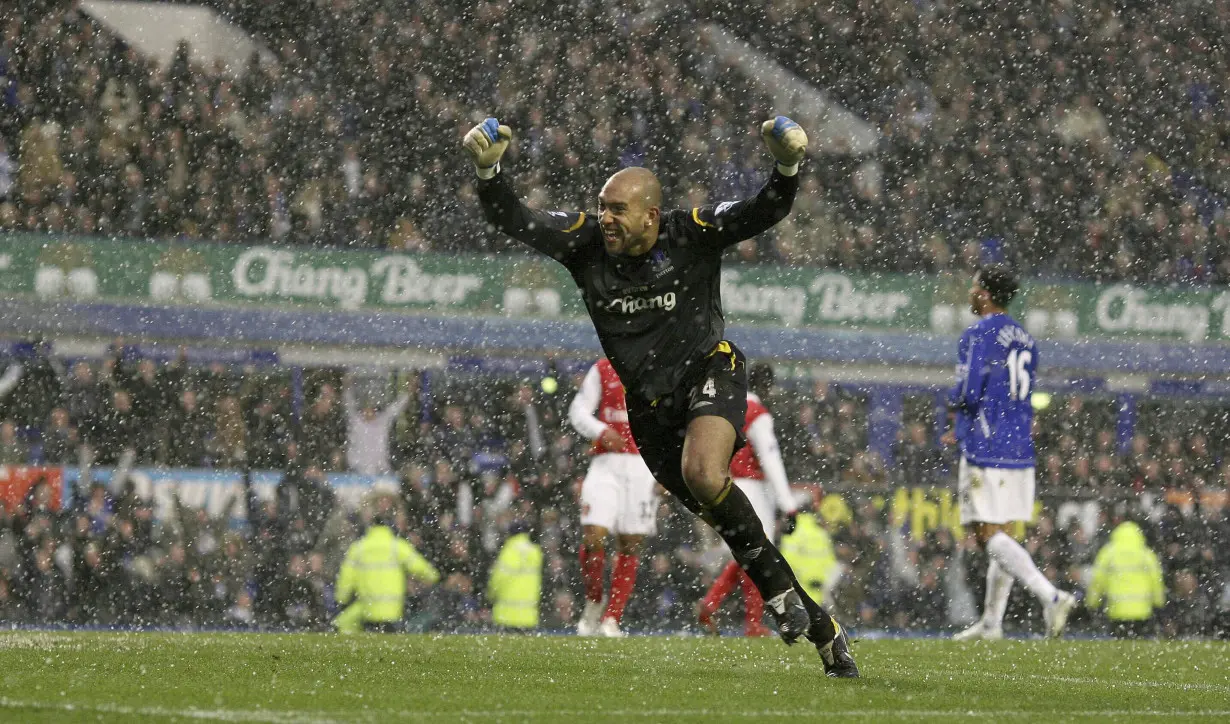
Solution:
(657, 315)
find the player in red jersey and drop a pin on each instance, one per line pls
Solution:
(759, 472)
(617, 496)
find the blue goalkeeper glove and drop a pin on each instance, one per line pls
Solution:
(786, 141)
(486, 143)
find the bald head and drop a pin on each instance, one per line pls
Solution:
(630, 206)
(637, 183)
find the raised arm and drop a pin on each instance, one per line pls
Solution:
(415, 565)
(10, 378)
(349, 401)
(559, 234)
(393, 411)
(730, 222)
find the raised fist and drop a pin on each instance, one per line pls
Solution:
(785, 139)
(487, 142)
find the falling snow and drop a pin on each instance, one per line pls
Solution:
(186, 443)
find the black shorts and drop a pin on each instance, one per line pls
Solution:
(719, 388)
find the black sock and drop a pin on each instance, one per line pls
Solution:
(733, 517)
(822, 629)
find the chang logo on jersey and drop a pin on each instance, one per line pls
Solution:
(635, 305)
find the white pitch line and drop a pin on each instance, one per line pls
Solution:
(285, 717)
(877, 714)
(1088, 681)
(229, 715)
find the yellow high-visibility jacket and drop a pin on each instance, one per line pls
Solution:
(374, 574)
(1128, 575)
(809, 551)
(515, 585)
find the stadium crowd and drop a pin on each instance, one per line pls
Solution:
(476, 453)
(1093, 142)
(1090, 138)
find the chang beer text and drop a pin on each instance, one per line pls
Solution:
(398, 280)
(836, 299)
(1124, 308)
(822, 300)
(748, 296)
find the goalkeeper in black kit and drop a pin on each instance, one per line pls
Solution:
(650, 280)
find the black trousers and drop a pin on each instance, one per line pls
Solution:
(1143, 629)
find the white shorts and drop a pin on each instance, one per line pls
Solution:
(757, 491)
(995, 495)
(618, 494)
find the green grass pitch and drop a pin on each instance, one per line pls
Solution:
(311, 678)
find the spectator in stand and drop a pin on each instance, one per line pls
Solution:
(8, 166)
(82, 395)
(926, 605)
(917, 457)
(524, 419)
(13, 450)
(456, 441)
(305, 500)
(116, 431)
(44, 586)
(1033, 163)
(146, 394)
(305, 607)
(229, 442)
(36, 386)
(1188, 612)
(60, 439)
(275, 570)
(268, 434)
(187, 428)
(322, 436)
(368, 430)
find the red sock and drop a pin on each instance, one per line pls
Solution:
(593, 568)
(722, 586)
(753, 613)
(623, 580)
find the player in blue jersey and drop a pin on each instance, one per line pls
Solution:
(991, 412)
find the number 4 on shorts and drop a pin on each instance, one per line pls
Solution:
(710, 389)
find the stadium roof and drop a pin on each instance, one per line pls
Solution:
(155, 29)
